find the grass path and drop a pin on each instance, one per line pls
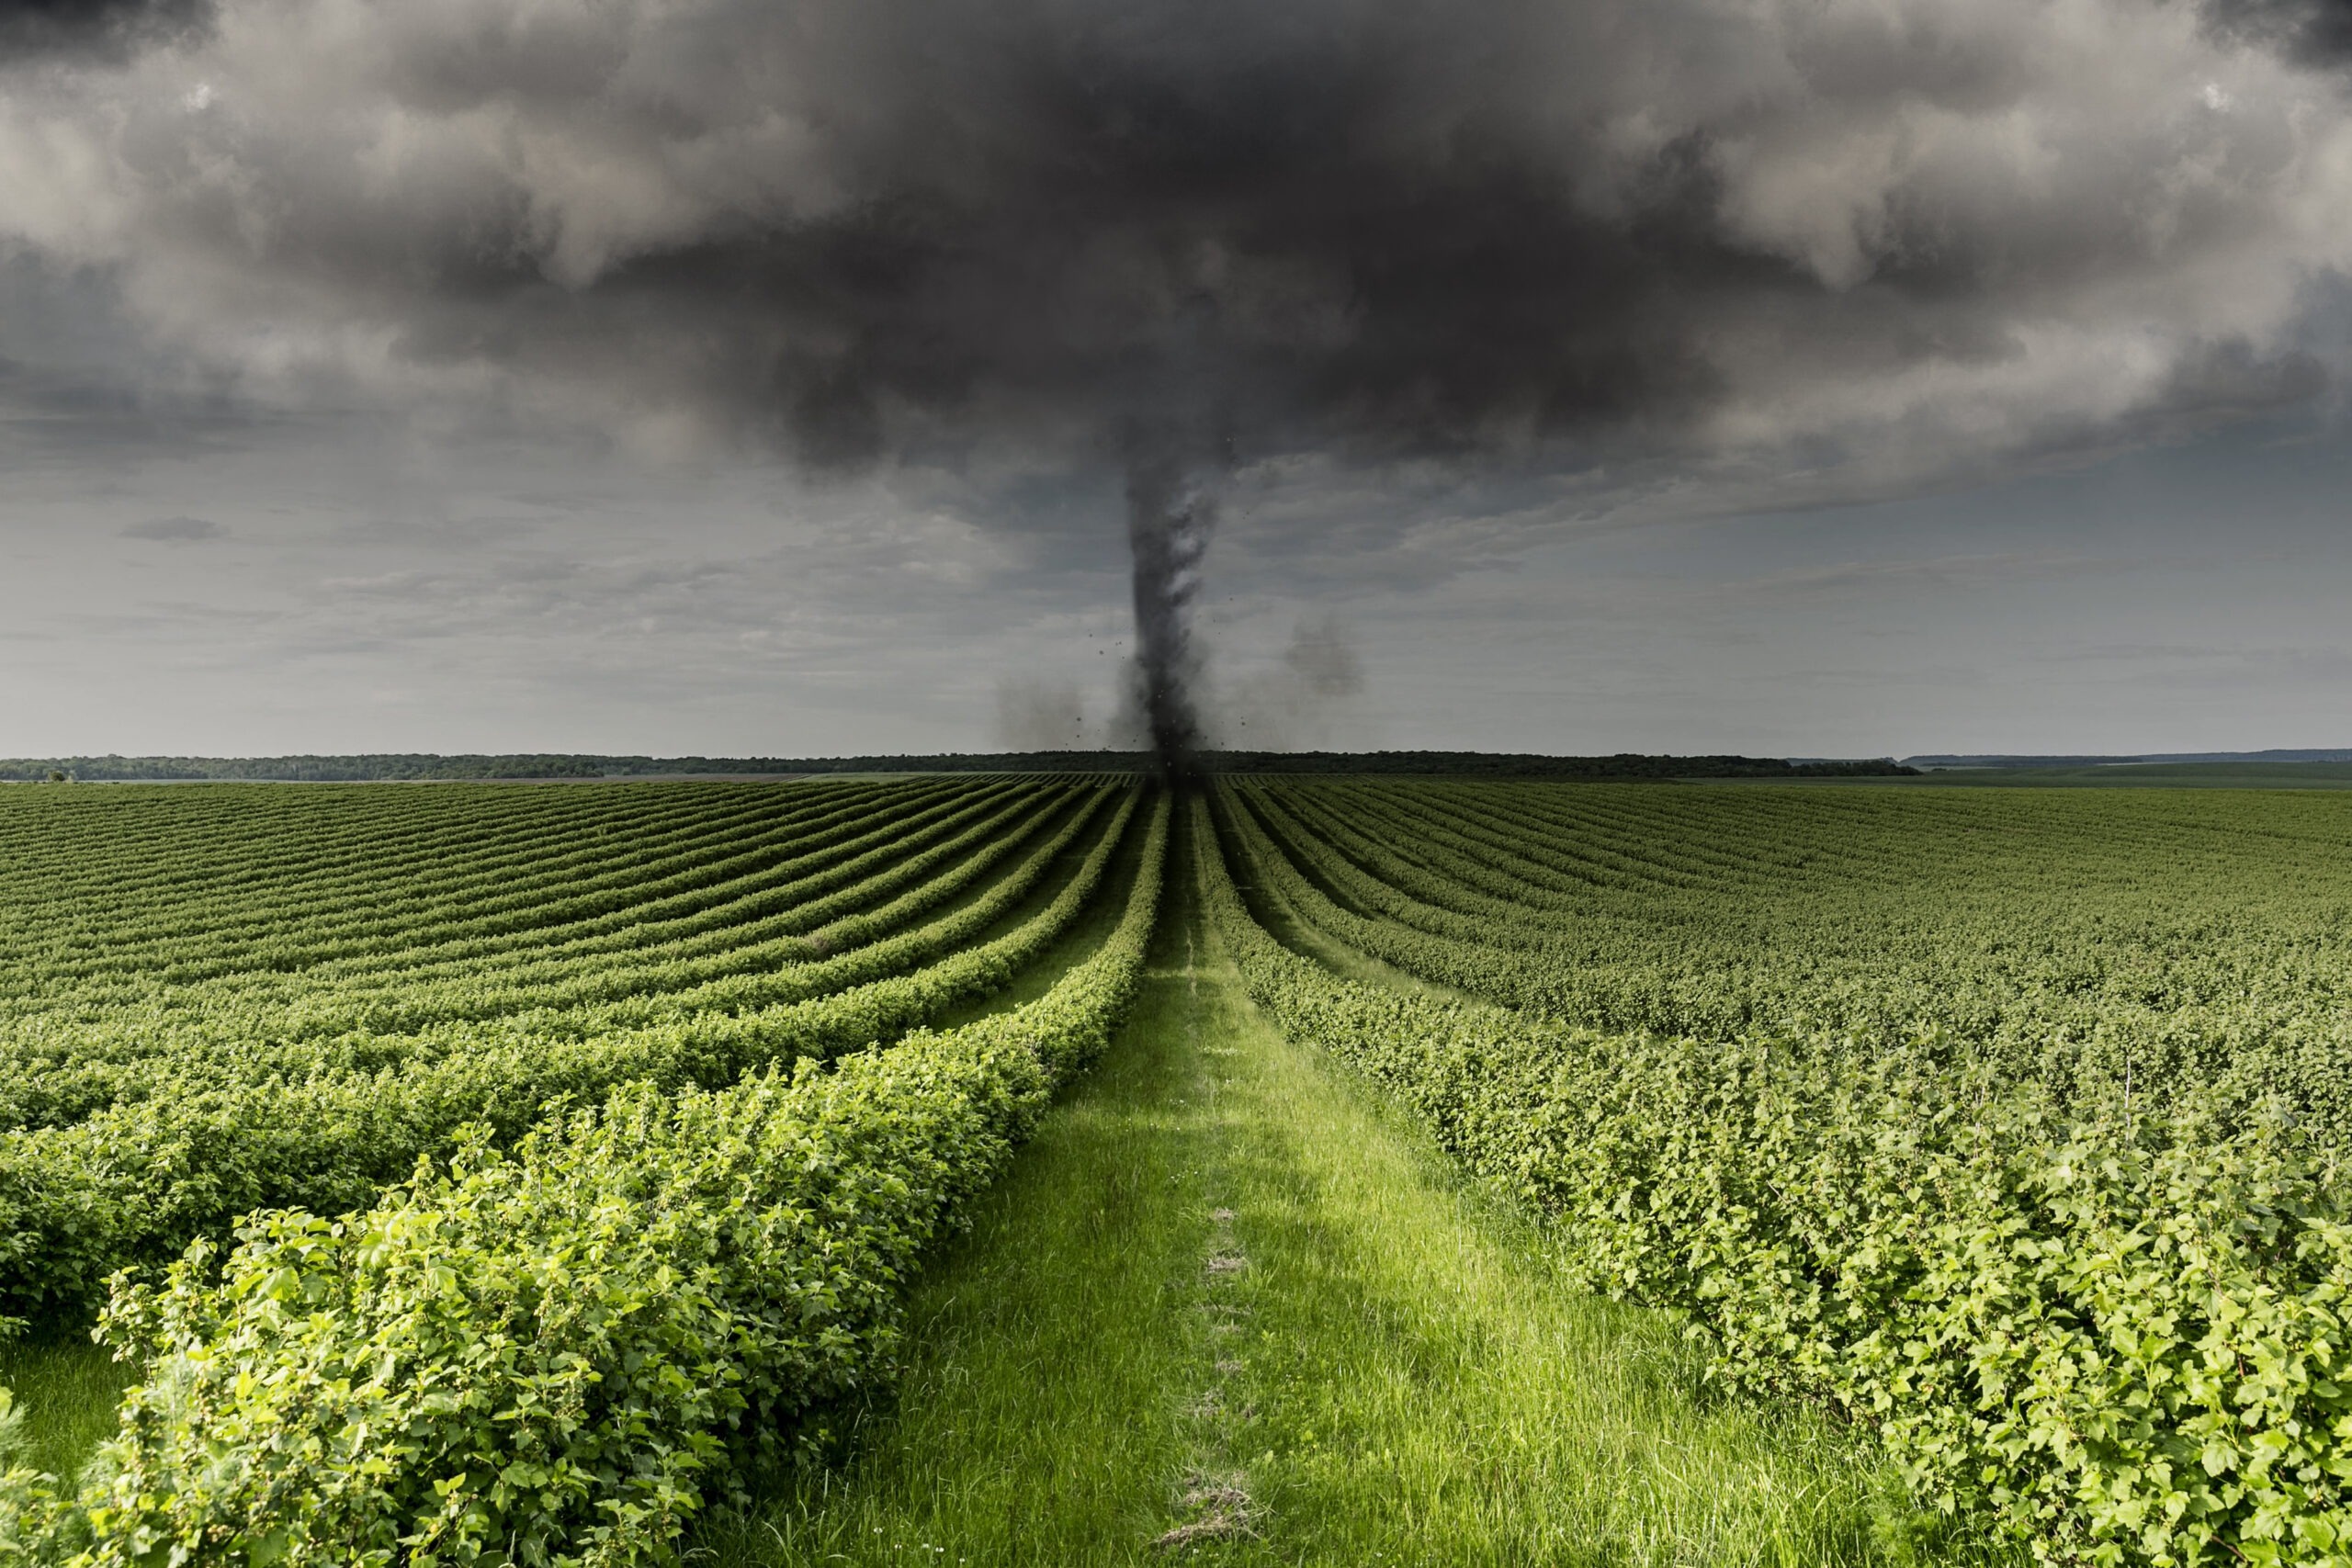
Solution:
(67, 1389)
(1225, 1307)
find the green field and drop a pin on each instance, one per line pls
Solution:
(1019, 1169)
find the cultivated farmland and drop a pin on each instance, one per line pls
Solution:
(2013, 1130)
(575, 1173)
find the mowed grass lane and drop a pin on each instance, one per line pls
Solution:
(1226, 1303)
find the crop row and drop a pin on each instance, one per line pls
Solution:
(2279, 859)
(68, 1061)
(1719, 852)
(710, 900)
(2042, 984)
(45, 832)
(220, 1134)
(562, 1352)
(47, 1053)
(241, 929)
(172, 869)
(395, 915)
(2119, 1332)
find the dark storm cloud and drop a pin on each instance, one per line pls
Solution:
(105, 29)
(846, 227)
(1104, 213)
(2317, 32)
(1470, 267)
(1789, 236)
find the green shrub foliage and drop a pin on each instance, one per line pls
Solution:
(237, 1110)
(2119, 1331)
(560, 1351)
(2010, 1125)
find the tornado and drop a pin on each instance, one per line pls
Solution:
(1171, 510)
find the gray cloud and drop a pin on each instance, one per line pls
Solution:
(2164, 667)
(1303, 701)
(2316, 33)
(1942, 572)
(176, 530)
(101, 29)
(1704, 253)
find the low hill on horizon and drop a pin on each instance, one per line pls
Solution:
(1939, 760)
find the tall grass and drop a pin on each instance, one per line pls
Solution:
(68, 1389)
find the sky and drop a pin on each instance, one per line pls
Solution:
(1813, 377)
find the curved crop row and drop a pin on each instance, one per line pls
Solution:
(69, 1064)
(552, 884)
(283, 882)
(140, 1180)
(2082, 988)
(560, 1353)
(2121, 1336)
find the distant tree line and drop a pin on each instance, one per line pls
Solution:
(1507, 764)
(1940, 761)
(555, 765)
(417, 765)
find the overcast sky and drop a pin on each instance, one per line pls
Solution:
(767, 376)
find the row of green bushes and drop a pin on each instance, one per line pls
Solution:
(2249, 1011)
(220, 1034)
(2122, 1338)
(561, 1354)
(138, 1181)
(521, 889)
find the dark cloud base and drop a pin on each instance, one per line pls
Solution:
(1380, 231)
(105, 30)
(2316, 33)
